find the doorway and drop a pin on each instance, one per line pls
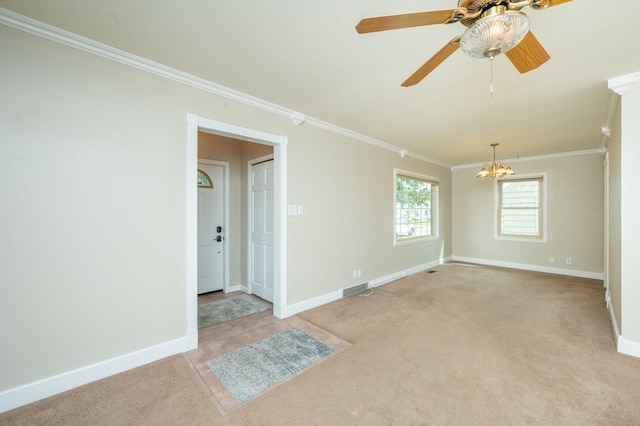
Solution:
(278, 261)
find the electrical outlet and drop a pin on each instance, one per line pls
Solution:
(359, 273)
(568, 261)
(552, 259)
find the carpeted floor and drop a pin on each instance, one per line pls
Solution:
(465, 345)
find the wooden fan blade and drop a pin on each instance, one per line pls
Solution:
(432, 63)
(383, 23)
(528, 54)
(557, 2)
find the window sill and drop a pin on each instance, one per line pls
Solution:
(416, 240)
(521, 239)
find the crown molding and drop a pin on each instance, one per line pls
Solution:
(58, 35)
(617, 87)
(536, 157)
(372, 141)
(424, 158)
(622, 83)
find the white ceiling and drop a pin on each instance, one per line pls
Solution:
(306, 56)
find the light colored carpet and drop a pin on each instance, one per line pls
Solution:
(228, 309)
(462, 346)
(253, 369)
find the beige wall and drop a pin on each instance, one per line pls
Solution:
(575, 215)
(92, 236)
(93, 224)
(346, 190)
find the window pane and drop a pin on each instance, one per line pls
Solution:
(521, 194)
(520, 208)
(204, 181)
(520, 222)
(413, 208)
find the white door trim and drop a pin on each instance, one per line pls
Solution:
(279, 143)
(225, 241)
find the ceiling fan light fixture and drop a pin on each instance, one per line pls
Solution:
(496, 32)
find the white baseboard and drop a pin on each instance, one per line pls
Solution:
(410, 271)
(238, 287)
(527, 267)
(387, 279)
(305, 305)
(31, 392)
(624, 346)
(614, 323)
(296, 308)
(628, 347)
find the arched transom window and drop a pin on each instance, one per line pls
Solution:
(204, 181)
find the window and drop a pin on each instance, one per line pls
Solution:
(415, 206)
(204, 181)
(520, 211)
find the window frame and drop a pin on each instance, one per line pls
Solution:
(543, 207)
(435, 228)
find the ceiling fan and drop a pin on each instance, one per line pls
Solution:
(493, 27)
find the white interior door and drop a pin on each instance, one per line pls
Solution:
(261, 222)
(211, 232)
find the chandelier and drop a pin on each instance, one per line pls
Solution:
(496, 169)
(497, 31)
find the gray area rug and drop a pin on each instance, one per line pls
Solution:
(252, 369)
(229, 309)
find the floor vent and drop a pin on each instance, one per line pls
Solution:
(355, 289)
(431, 271)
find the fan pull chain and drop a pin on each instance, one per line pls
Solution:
(491, 81)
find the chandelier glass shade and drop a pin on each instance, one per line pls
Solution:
(496, 32)
(495, 169)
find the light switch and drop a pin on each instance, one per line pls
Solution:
(292, 210)
(299, 210)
